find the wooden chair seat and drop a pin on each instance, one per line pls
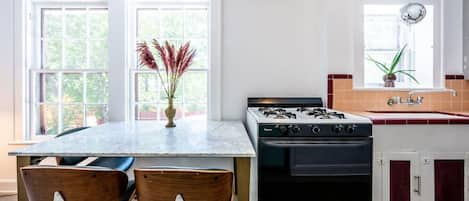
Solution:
(75, 183)
(155, 184)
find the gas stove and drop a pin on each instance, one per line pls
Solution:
(299, 141)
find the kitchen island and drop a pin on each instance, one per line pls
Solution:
(208, 144)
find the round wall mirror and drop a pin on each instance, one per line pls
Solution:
(413, 13)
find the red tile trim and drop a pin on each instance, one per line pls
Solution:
(396, 121)
(459, 121)
(339, 76)
(330, 100)
(454, 77)
(438, 121)
(330, 86)
(417, 121)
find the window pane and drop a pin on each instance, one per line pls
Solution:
(75, 23)
(52, 54)
(72, 88)
(146, 87)
(98, 19)
(201, 56)
(146, 112)
(96, 115)
(176, 25)
(97, 88)
(75, 54)
(172, 23)
(148, 24)
(378, 27)
(195, 87)
(72, 116)
(47, 87)
(47, 120)
(52, 23)
(99, 58)
(195, 111)
(385, 34)
(196, 23)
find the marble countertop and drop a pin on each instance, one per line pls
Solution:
(150, 139)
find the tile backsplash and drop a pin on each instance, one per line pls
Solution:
(341, 96)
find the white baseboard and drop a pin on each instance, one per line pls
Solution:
(7, 187)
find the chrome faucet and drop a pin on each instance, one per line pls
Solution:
(397, 100)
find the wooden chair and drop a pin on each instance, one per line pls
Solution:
(154, 184)
(75, 183)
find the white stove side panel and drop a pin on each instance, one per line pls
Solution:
(253, 130)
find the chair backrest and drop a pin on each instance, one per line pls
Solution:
(191, 185)
(74, 183)
(70, 160)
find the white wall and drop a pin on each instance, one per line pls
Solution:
(270, 48)
(466, 36)
(341, 30)
(7, 164)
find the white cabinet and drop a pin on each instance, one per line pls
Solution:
(421, 162)
(413, 176)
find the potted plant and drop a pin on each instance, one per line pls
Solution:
(175, 62)
(391, 71)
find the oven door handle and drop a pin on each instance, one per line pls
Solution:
(286, 144)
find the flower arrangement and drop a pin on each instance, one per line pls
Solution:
(391, 71)
(175, 61)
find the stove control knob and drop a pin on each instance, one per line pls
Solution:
(316, 130)
(296, 129)
(351, 128)
(283, 129)
(338, 128)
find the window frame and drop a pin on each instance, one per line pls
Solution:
(359, 43)
(134, 69)
(35, 66)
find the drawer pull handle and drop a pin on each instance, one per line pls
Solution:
(418, 188)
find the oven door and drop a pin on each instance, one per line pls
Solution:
(316, 156)
(300, 169)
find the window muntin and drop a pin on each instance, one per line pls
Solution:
(177, 24)
(385, 34)
(69, 81)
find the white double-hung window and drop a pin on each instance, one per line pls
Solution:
(384, 33)
(81, 66)
(177, 22)
(68, 66)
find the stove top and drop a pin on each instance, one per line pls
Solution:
(304, 115)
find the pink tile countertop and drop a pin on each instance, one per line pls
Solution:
(403, 118)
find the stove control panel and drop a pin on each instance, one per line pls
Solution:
(312, 130)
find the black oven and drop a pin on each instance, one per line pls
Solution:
(314, 168)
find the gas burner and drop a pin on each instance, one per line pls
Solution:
(277, 113)
(330, 115)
